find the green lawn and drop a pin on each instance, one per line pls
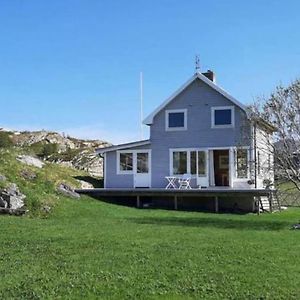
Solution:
(90, 249)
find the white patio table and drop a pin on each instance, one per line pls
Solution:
(171, 182)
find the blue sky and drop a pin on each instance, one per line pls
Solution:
(73, 66)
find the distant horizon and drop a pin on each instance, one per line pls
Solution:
(74, 66)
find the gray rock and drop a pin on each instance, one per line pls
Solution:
(3, 203)
(46, 209)
(2, 178)
(296, 226)
(13, 198)
(67, 191)
(30, 161)
(27, 174)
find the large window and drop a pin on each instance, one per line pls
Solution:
(126, 161)
(176, 119)
(133, 162)
(179, 162)
(222, 116)
(190, 161)
(242, 163)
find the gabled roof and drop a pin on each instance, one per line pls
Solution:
(149, 119)
(122, 146)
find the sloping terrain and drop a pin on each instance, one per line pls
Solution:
(38, 184)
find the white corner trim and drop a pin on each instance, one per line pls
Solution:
(104, 164)
(149, 119)
(214, 108)
(167, 112)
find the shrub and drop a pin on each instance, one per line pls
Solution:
(41, 149)
(5, 140)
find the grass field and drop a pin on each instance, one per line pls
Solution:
(95, 250)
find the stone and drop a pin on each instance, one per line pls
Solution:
(85, 185)
(30, 161)
(2, 178)
(28, 175)
(296, 226)
(67, 191)
(3, 203)
(46, 209)
(13, 198)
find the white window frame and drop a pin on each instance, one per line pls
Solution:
(134, 161)
(168, 111)
(124, 172)
(188, 161)
(214, 108)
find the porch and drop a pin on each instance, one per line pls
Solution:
(214, 196)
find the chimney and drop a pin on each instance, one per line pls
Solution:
(210, 75)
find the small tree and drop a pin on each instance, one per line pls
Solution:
(282, 109)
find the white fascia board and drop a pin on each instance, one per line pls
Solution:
(122, 146)
(149, 119)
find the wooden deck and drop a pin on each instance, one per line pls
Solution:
(214, 193)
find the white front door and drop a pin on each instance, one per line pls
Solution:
(202, 168)
(142, 169)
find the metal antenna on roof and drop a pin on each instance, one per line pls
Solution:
(197, 64)
(141, 105)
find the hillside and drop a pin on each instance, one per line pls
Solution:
(61, 149)
(39, 185)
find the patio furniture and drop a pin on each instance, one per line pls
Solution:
(184, 182)
(171, 182)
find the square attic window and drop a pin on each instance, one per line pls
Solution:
(176, 120)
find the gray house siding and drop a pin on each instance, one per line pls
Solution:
(112, 179)
(198, 99)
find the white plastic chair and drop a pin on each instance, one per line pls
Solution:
(184, 182)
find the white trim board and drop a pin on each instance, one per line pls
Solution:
(149, 119)
(123, 146)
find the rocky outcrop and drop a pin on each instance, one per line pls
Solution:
(71, 152)
(67, 191)
(30, 161)
(12, 198)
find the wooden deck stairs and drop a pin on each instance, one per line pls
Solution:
(269, 204)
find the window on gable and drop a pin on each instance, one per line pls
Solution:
(176, 119)
(222, 117)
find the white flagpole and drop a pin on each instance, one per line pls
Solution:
(141, 105)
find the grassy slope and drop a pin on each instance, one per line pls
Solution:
(92, 249)
(40, 191)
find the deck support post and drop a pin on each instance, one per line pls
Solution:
(258, 204)
(216, 204)
(175, 202)
(138, 201)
